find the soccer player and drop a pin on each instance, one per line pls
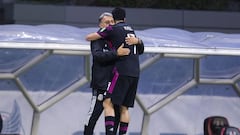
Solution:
(104, 57)
(123, 88)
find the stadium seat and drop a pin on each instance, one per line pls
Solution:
(230, 131)
(214, 124)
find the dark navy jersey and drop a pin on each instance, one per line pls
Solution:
(126, 65)
(103, 62)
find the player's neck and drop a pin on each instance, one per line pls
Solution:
(119, 21)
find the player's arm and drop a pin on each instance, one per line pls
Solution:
(140, 46)
(135, 41)
(131, 40)
(93, 36)
(98, 53)
(107, 56)
(102, 33)
(121, 51)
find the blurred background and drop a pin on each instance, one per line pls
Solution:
(192, 15)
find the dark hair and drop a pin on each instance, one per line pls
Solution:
(118, 13)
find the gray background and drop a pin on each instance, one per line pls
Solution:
(81, 16)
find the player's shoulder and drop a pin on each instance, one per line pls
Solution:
(127, 27)
(109, 28)
(102, 29)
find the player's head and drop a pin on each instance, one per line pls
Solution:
(105, 19)
(118, 14)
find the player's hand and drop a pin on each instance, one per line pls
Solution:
(131, 40)
(121, 51)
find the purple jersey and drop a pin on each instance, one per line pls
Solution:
(126, 65)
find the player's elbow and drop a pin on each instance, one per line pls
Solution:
(92, 36)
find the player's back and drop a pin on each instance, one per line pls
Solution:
(126, 65)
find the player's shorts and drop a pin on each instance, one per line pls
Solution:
(124, 91)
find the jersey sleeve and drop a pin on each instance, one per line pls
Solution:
(97, 49)
(105, 33)
(140, 48)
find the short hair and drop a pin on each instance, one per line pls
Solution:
(118, 13)
(104, 14)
